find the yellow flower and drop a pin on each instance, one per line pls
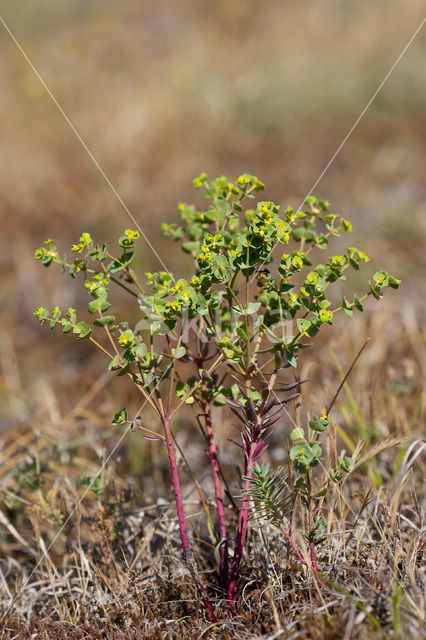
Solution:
(325, 315)
(173, 305)
(131, 234)
(244, 179)
(185, 296)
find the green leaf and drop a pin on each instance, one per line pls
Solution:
(303, 453)
(125, 368)
(291, 358)
(140, 350)
(258, 322)
(298, 234)
(115, 363)
(318, 424)
(316, 449)
(312, 330)
(105, 320)
(252, 307)
(297, 434)
(120, 417)
(345, 464)
(347, 307)
(223, 207)
(374, 292)
(321, 492)
(66, 326)
(123, 261)
(189, 247)
(358, 304)
(182, 388)
(300, 484)
(83, 330)
(394, 282)
(335, 476)
(105, 305)
(100, 292)
(100, 304)
(241, 333)
(303, 324)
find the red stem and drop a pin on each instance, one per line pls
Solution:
(313, 556)
(242, 528)
(223, 530)
(187, 551)
(292, 544)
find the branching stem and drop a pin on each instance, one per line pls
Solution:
(186, 547)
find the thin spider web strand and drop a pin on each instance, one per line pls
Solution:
(84, 145)
(345, 139)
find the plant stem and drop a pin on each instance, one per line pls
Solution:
(311, 538)
(292, 544)
(223, 530)
(313, 556)
(186, 547)
(242, 527)
(197, 385)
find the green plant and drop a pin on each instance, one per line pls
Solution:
(273, 498)
(234, 325)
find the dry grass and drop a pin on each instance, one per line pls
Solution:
(115, 571)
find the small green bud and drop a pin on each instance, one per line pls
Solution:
(200, 180)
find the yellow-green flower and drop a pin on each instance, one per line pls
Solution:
(312, 278)
(244, 179)
(338, 261)
(325, 315)
(131, 234)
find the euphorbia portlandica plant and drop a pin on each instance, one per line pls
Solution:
(235, 325)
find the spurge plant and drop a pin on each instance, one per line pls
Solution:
(229, 334)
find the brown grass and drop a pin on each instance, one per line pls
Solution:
(115, 569)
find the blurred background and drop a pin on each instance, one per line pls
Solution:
(161, 91)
